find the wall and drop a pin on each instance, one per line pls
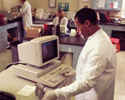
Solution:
(85, 4)
(73, 5)
(7, 4)
(116, 14)
(119, 13)
(1, 6)
(40, 4)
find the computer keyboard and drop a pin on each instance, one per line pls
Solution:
(54, 77)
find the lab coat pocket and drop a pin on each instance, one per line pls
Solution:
(83, 57)
(81, 61)
(91, 95)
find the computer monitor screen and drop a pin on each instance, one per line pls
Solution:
(49, 50)
(39, 51)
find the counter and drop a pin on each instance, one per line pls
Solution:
(38, 21)
(78, 41)
(72, 25)
(15, 26)
(107, 27)
(72, 45)
(113, 24)
(3, 34)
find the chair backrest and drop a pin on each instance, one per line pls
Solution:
(115, 41)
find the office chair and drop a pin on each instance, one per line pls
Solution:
(6, 96)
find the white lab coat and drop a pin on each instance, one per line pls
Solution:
(64, 21)
(26, 14)
(95, 71)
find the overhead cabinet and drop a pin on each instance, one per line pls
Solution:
(107, 4)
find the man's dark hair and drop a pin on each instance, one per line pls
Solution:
(86, 14)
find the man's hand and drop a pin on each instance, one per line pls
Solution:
(69, 72)
(50, 95)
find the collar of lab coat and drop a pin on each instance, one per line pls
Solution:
(95, 34)
(25, 2)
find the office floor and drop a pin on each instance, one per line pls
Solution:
(5, 59)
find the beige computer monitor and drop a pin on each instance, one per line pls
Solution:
(39, 51)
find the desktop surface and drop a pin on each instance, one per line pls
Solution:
(11, 83)
(49, 75)
(78, 41)
(68, 40)
(37, 21)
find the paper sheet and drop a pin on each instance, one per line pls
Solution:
(115, 5)
(26, 90)
(101, 3)
(52, 3)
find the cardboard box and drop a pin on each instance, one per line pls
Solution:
(33, 31)
(122, 20)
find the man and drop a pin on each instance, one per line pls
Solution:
(60, 19)
(27, 21)
(60, 23)
(95, 70)
(26, 13)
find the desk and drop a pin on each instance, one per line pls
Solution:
(72, 45)
(3, 34)
(9, 82)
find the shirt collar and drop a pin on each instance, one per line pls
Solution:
(96, 33)
(25, 2)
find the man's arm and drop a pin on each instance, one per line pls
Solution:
(23, 10)
(93, 69)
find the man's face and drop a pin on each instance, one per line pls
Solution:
(57, 14)
(81, 28)
(22, 1)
